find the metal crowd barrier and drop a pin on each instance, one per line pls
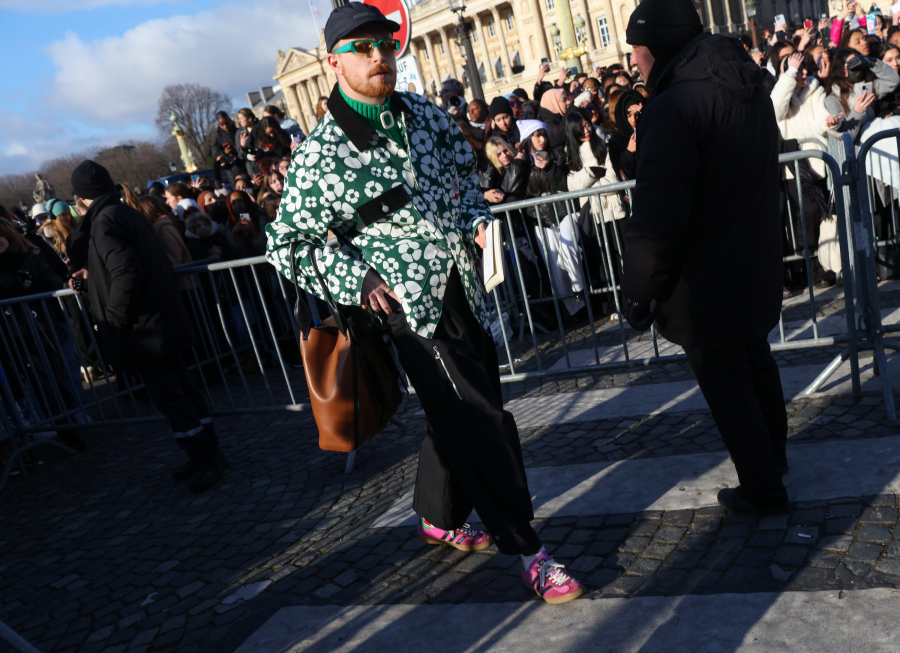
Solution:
(245, 357)
(246, 354)
(526, 304)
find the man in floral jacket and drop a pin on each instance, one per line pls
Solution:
(393, 178)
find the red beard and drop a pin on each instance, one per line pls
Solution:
(370, 87)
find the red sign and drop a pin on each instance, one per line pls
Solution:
(397, 11)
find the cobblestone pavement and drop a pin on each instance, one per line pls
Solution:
(103, 552)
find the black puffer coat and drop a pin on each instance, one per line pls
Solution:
(556, 127)
(134, 299)
(705, 233)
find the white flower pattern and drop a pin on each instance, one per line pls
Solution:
(414, 247)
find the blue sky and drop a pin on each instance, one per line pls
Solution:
(88, 73)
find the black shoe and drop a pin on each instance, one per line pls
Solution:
(210, 431)
(185, 471)
(208, 473)
(203, 465)
(733, 500)
(72, 440)
(824, 283)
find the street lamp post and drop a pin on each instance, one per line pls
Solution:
(463, 39)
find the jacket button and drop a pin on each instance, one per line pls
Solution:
(384, 208)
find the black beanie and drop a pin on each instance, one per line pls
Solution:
(664, 24)
(500, 105)
(91, 180)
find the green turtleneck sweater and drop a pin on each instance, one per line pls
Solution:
(371, 114)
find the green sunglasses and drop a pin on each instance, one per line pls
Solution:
(367, 46)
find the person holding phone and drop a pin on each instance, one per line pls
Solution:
(853, 84)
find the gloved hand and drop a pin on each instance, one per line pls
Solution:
(638, 314)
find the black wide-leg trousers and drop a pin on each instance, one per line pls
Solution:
(742, 386)
(470, 456)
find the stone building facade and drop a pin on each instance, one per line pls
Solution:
(510, 37)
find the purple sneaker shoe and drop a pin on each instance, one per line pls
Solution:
(551, 581)
(464, 539)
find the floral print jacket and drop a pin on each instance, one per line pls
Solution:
(410, 211)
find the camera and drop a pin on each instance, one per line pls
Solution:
(859, 64)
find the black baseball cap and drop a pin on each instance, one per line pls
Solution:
(347, 18)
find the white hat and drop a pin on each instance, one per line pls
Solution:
(528, 127)
(38, 209)
(184, 205)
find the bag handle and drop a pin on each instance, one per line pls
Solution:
(302, 316)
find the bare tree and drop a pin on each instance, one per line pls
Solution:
(128, 163)
(16, 188)
(195, 108)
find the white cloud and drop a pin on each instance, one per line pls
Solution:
(232, 49)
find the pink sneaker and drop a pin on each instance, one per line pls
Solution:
(464, 539)
(550, 580)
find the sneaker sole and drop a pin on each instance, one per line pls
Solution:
(460, 547)
(571, 596)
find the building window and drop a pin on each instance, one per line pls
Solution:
(491, 27)
(441, 46)
(603, 28)
(499, 69)
(551, 4)
(509, 23)
(474, 33)
(427, 56)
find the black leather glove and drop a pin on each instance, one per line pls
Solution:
(639, 315)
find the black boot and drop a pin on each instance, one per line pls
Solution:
(72, 440)
(204, 465)
(210, 431)
(734, 500)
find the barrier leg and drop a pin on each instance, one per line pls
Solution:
(827, 372)
(886, 389)
(351, 458)
(14, 640)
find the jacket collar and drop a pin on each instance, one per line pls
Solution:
(351, 123)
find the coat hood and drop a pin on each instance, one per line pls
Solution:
(716, 59)
(626, 100)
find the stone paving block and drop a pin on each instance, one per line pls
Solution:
(893, 550)
(890, 567)
(766, 538)
(791, 555)
(634, 544)
(839, 543)
(879, 515)
(669, 534)
(802, 535)
(867, 553)
(874, 533)
(619, 560)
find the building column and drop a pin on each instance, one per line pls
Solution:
(538, 24)
(312, 88)
(728, 21)
(482, 41)
(448, 49)
(302, 104)
(711, 16)
(435, 71)
(504, 53)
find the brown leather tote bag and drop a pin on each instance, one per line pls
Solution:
(351, 375)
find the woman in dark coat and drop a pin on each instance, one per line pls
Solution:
(623, 144)
(502, 174)
(554, 104)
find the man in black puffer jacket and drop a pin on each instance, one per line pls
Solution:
(142, 323)
(703, 253)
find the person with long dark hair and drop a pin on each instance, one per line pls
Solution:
(623, 144)
(272, 139)
(848, 72)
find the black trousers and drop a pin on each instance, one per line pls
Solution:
(176, 395)
(471, 456)
(742, 386)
